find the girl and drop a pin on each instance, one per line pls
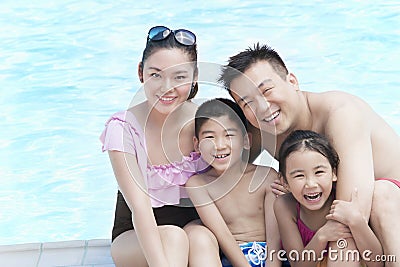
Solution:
(308, 164)
(150, 147)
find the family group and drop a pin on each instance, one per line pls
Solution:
(191, 195)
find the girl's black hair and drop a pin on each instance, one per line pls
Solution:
(169, 43)
(307, 140)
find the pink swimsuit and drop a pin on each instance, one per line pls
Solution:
(306, 233)
(164, 182)
(390, 180)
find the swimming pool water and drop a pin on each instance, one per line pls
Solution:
(66, 66)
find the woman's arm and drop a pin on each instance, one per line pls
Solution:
(213, 220)
(349, 213)
(133, 188)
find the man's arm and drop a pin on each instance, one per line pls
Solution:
(350, 134)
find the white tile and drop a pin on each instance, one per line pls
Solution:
(20, 255)
(98, 252)
(65, 253)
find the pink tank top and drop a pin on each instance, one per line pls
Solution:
(165, 183)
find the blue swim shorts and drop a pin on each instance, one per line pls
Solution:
(255, 253)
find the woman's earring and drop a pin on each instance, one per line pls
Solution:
(191, 89)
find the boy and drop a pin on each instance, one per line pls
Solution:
(368, 147)
(233, 198)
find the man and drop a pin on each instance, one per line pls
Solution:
(368, 147)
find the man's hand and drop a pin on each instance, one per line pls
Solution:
(279, 188)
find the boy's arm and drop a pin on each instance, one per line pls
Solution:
(212, 219)
(132, 186)
(271, 228)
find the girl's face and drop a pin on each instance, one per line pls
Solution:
(309, 176)
(168, 75)
(221, 143)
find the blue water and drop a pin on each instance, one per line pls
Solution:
(66, 66)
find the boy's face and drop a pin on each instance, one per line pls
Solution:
(221, 142)
(268, 101)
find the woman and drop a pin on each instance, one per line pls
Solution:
(150, 148)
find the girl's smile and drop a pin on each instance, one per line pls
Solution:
(309, 176)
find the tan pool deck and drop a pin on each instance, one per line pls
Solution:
(76, 253)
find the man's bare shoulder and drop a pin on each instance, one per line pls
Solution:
(332, 100)
(328, 108)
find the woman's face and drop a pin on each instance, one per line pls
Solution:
(168, 75)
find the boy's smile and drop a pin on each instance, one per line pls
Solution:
(221, 143)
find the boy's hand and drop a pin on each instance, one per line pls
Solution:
(279, 188)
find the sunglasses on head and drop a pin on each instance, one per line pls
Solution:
(182, 36)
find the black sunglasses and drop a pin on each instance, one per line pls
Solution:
(182, 36)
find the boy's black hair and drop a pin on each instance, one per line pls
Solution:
(219, 107)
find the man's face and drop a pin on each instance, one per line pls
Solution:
(265, 98)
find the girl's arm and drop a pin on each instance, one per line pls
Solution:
(349, 213)
(286, 214)
(213, 220)
(271, 225)
(133, 188)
